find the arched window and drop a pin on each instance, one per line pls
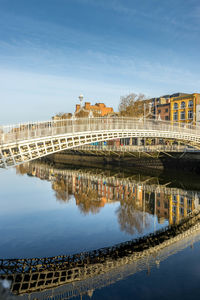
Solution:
(183, 104)
(190, 104)
(175, 105)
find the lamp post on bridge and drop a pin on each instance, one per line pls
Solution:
(89, 118)
(144, 116)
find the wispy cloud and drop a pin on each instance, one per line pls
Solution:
(139, 48)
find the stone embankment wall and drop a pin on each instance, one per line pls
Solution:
(184, 161)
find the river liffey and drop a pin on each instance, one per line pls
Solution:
(54, 220)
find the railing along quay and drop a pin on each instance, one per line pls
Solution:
(136, 148)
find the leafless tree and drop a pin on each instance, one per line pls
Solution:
(133, 105)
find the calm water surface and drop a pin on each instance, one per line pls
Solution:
(47, 214)
(48, 211)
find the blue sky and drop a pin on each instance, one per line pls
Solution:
(53, 50)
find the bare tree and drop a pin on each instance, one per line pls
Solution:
(88, 201)
(62, 115)
(133, 105)
(82, 113)
(130, 216)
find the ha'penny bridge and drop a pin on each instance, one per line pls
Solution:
(72, 275)
(28, 141)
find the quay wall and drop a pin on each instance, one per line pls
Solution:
(180, 161)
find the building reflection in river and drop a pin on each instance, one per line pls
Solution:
(93, 189)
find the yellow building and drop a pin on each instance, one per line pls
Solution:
(185, 109)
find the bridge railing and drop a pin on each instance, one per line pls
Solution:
(136, 148)
(32, 130)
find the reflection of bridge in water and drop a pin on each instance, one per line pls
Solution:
(84, 272)
(72, 275)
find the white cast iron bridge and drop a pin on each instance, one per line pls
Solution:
(28, 141)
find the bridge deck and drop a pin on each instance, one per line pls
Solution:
(25, 142)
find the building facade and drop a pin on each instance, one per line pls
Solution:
(185, 109)
(163, 111)
(99, 109)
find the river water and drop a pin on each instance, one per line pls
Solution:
(61, 210)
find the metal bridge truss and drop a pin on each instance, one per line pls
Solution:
(29, 141)
(88, 286)
(152, 151)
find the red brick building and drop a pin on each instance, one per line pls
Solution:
(163, 111)
(98, 109)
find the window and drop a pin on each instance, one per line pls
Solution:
(190, 104)
(174, 198)
(182, 115)
(190, 114)
(181, 199)
(166, 118)
(166, 109)
(159, 111)
(166, 205)
(175, 105)
(182, 104)
(175, 116)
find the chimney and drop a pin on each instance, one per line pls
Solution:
(87, 105)
(77, 107)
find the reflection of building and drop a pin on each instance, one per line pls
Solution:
(93, 191)
(180, 206)
(162, 206)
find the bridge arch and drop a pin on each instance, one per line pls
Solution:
(29, 141)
